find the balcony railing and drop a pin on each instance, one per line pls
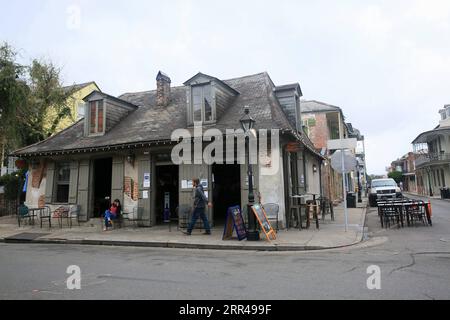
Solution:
(432, 157)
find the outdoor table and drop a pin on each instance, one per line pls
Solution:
(34, 212)
(402, 206)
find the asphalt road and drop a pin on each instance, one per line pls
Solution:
(414, 264)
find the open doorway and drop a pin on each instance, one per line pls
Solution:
(102, 185)
(166, 194)
(227, 189)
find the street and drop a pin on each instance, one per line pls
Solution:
(414, 264)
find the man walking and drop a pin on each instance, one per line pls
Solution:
(200, 202)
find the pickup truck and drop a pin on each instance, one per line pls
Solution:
(383, 189)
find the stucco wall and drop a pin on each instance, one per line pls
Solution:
(36, 187)
(131, 187)
(313, 178)
(272, 189)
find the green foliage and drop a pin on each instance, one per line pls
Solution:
(13, 95)
(396, 175)
(27, 94)
(13, 184)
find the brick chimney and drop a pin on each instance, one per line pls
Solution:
(162, 89)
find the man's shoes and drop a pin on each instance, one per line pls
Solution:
(187, 233)
(207, 232)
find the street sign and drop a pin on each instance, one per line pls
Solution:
(349, 161)
(342, 144)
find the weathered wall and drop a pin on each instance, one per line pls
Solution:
(318, 133)
(131, 187)
(35, 196)
(313, 178)
(272, 189)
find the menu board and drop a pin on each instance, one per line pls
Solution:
(261, 216)
(234, 221)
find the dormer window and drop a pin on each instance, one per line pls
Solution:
(202, 103)
(207, 99)
(96, 117)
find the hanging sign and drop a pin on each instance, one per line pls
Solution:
(234, 221)
(261, 216)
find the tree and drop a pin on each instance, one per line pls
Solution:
(27, 94)
(46, 93)
(396, 175)
(13, 95)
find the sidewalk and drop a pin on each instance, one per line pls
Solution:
(330, 235)
(413, 194)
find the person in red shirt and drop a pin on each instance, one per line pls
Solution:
(111, 214)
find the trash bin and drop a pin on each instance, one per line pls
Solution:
(351, 200)
(445, 193)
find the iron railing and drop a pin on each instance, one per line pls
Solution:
(432, 157)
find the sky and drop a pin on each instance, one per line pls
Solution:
(385, 63)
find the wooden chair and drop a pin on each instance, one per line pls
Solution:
(295, 214)
(312, 208)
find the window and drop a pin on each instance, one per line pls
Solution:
(443, 177)
(96, 116)
(62, 182)
(202, 110)
(80, 110)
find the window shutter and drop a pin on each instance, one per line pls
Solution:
(117, 178)
(83, 188)
(73, 184)
(49, 185)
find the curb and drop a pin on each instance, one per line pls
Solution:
(114, 243)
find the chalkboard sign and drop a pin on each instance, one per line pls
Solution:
(234, 221)
(261, 216)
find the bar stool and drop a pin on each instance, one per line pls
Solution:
(295, 213)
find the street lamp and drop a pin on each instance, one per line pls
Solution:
(428, 169)
(247, 124)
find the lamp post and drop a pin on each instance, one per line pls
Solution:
(247, 124)
(429, 180)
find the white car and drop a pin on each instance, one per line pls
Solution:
(383, 189)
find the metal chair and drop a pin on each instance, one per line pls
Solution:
(24, 213)
(272, 212)
(45, 214)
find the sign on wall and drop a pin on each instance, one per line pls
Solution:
(146, 180)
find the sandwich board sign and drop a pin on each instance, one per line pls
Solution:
(234, 221)
(261, 216)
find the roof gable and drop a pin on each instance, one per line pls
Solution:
(201, 78)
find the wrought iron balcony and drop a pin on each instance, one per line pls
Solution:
(432, 157)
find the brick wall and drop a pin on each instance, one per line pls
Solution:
(37, 174)
(131, 188)
(318, 133)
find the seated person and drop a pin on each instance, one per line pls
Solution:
(112, 214)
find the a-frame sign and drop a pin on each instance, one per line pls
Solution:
(234, 221)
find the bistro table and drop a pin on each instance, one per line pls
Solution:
(35, 212)
(298, 207)
(404, 208)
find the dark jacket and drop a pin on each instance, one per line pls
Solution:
(200, 200)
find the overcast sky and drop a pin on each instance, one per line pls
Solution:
(385, 63)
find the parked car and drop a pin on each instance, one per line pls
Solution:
(383, 189)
